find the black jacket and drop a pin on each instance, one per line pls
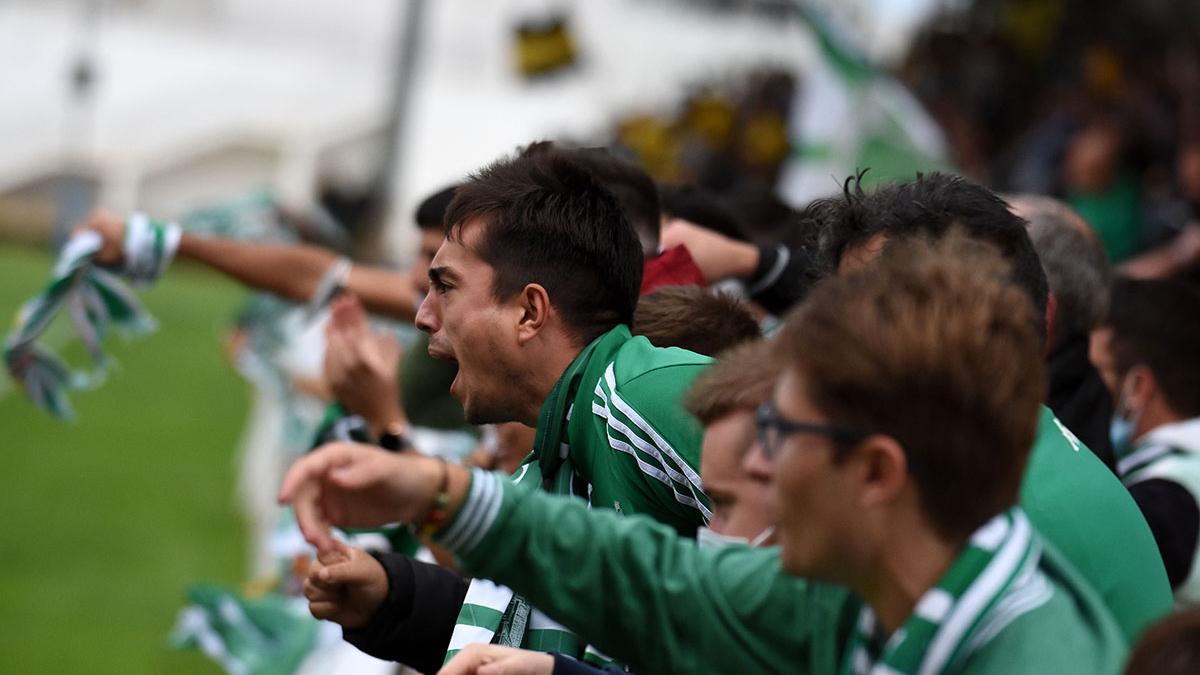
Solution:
(414, 623)
(1079, 398)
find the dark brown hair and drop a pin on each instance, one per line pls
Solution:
(936, 348)
(694, 318)
(740, 379)
(547, 220)
(1169, 647)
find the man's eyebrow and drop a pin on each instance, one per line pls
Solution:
(440, 273)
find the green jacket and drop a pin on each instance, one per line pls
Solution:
(1079, 506)
(657, 602)
(614, 432)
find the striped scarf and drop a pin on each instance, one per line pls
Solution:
(95, 300)
(493, 613)
(993, 580)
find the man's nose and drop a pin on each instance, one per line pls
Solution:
(427, 315)
(756, 464)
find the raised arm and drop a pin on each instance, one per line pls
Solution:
(292, 271)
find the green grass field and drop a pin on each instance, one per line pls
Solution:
(104, 521)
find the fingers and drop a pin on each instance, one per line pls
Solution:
(303, 487)
(357, 570)
(346, 313)
(311, 518)
(308, 469)
(340, 552)
(467, 661)
(481, 659)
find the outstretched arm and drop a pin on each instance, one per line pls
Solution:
(630, 586)
(292, 271)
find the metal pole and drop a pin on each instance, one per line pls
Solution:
(407, 53)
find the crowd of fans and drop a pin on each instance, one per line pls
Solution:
(932, 429)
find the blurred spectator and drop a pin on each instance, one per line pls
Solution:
(694, 318)
(1100, 189)
(725, 399)
(1169, 647)
(1149, 350)
(1078, 274)
(1067, 492)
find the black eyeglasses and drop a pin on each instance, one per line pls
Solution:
(773, 429)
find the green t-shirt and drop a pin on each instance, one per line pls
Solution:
(1115, 215)
(1079, 506)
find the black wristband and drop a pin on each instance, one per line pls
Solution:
(394, 441)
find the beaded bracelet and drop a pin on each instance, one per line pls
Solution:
(439, 511)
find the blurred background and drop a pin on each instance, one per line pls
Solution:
(329, 121)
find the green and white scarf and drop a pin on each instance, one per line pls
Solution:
(993, 580)
(95, 300)
(493, 613)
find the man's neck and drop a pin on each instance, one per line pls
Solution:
(909, 564)
(1156, 414)
(550, 366)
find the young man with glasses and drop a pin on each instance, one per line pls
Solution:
(898, 436)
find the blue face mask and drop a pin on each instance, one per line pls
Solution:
(1123, 428)
(1120, 432)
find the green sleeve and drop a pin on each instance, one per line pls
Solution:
(643, 595)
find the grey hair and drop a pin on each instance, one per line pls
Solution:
(1077, 267)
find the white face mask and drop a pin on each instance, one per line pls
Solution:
(706, 538)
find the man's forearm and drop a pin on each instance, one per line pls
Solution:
(295, 271)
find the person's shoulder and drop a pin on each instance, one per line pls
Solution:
(639, 364)
(1060, 463)
(1070, 631)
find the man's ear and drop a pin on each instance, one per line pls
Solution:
(882, 469)
(535, 312)
(1142, 387)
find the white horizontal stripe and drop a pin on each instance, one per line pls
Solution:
(934, 605)
(991, 534)
(465, 635)
(539, 621)
(487, 594)
(1143, 456)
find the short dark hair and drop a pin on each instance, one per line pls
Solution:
(931, 205)
(934, 348)
(548, 220)
(694, 318)
(634, 189)
(696, 205)
(431, 212)
(1157, 324)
